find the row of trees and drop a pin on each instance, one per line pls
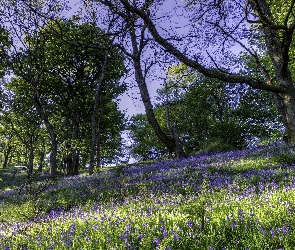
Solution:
(207, 115)
(59, 97)
(65, 74)
(262, 30)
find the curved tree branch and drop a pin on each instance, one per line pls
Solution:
(227, 77)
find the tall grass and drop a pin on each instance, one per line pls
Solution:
(235, 200)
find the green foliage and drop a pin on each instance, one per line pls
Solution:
(146, 145)
(284, 158)
(62, 65)
(4, 47)
(214, 145)
(205, 109)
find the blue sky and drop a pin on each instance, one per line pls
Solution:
(177, 23)
(130, 101)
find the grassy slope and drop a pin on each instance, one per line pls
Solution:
(235, 200)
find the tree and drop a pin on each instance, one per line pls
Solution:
(23, 24)
(145, 144)
(220, 25)
(209, 115)
(21, 128)
(59, 63)
(133, 42)
(86, 61)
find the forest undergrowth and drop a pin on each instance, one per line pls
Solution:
(241, 199)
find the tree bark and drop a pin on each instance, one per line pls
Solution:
(98, 137)
(7, 153)
(50, 130)
(145, 97)
(94, 114)
(75, 153)
(42, 156)
(31, 161)
(285, 104)
(278, 48)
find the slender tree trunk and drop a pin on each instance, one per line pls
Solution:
(31, 160)
(42, 156)
(33, 139)
(140, 79)
(98, 141)
(7, 153)
(163, 137)
(68, 158)
(68, 161)
(98, 149)
(75, 154)
(76, 162)
(50, 130)
(167, 116)
(178, 149)
(94, 114)
(173, 129)
(53, 155)
(93, 128)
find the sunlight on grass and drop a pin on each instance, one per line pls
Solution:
(247, 164)
(227, 201)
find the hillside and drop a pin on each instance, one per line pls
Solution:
(233, 200)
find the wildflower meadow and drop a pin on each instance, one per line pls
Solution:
(233, 200)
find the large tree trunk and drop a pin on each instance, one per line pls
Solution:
(149, 110)
(50, 130)
(94, 113)
(286, 106)
(31, 161)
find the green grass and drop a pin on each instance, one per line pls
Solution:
(244, 200)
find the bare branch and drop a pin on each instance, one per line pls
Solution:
(227, 77)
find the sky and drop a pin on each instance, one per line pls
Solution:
(176, 19)
(130, 102)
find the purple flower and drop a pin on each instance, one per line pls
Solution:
(234, 225)
(157, 241)
(164, 233)
(139, 237)
(190, 224)
(175, 237)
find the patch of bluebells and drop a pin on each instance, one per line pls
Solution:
(168, 184)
